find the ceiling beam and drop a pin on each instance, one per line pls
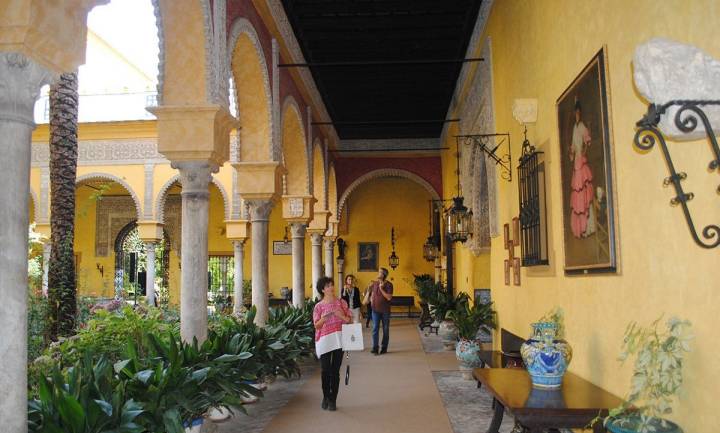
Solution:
(380, 63)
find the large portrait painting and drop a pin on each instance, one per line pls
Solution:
(586, 166)
(368, 256)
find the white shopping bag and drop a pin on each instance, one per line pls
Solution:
(352, 338)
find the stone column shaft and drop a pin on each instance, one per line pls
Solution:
(20, 82)
(195, 178)
(317, 271)
(47, 248)
(150, 273)
(298, 263)
(239, 250)
(329, 257)
(259, 218)
(340, 273)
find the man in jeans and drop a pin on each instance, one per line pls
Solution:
(381, 291)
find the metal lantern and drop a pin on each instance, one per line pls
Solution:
(430, 249)
(393, 260)
(458, 221)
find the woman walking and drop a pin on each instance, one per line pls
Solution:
(351, 295)
(328, 317)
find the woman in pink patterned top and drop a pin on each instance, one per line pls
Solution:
(328, 317)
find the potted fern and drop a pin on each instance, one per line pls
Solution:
(657, 377)
(468, 321)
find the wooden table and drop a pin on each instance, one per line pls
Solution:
(574, 405)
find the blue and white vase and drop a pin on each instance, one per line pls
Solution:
(546, 358)
(467, 353)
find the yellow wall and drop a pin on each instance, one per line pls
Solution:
(537, 50)
(375, 207)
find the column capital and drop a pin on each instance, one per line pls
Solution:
(20, 81)
(195, 176)
(329, 243)
(237, 230)
(150, 246)
(298, 230)
(315, 237)
(260, 209)
(238, 244)
(150, 231)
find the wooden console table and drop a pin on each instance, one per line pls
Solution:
(574, 405)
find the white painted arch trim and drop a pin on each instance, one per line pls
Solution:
(116, 179)
(162, 197)
(35, 203)
(380, 173)
(242, 26)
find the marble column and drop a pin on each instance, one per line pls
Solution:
(20, 82)
(340, 273)
(239, 249)
(150, 273)
(298, 263)
(329, 257)
(195, 179)
(316, 243)
(47, 247)
(259, 217)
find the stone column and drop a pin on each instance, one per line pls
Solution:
(259, 217)
(340, 273)
(239, 249)
(329, 257)
(20, 82)
(298, 263)
(317, 271)
(47, 247)
(195, 178)
(150, 273)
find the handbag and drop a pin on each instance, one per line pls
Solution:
(352, 338)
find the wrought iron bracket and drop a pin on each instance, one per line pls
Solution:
(686, 120)
(482, 141)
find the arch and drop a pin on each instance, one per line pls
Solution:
(116, 179)
(380, 173)
(34, 203)
(162, 196)
(319, 177)
(248, 67)
(294, 148)
(332, 193)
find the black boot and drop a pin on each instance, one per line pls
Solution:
(324, 404)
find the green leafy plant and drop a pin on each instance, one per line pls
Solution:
(444, 302)
(468, 320)
(657, 374)
(425, 287)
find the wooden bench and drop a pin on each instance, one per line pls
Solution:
(403, 301)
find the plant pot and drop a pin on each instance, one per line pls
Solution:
(631, 424)
(218, 414)
(467, 353)
(448, 332)
(546, 358)
(194, 426)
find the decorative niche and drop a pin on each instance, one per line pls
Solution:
(531, 192)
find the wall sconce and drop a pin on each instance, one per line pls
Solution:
(393, 260)
(686, 120)
(458, 216)
(100, 268)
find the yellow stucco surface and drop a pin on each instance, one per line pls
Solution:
(661, 269)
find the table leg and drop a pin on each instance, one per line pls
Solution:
(482, 365)
(598, 427)
(497, 417)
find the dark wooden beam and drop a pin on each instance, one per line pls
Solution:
(380, 63)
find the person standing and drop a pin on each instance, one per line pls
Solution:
(328, 317)
(381, 295)
(351, 295)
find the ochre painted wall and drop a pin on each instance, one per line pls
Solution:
(376, 207)
(537, 50)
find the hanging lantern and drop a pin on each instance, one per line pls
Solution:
(458, 221)
(430, 249)
(393, 260)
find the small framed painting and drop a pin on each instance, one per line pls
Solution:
(368, 256)
(282, 248)
(516, 231)
(516, 271)
(507, 272)
(506, 236)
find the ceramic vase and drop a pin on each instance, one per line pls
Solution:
(632, 424)
(448, 332)
(195, 426)
(468, 353)
(546, 357)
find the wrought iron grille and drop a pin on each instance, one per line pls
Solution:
(533, 224)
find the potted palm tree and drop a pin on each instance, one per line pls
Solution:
(657, 377)
(468, 321)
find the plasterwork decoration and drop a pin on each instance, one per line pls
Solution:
(225, 197)
(211, 55)
(235, 157)
(173, 221)
(162, 198)
(112, 213)
(276, 132)
(308, 148)
(147, 205)
(385, 172)
(41, 213)
(297, 207)
(113, 178)
(105, 152)
(477, 116)
(220, 38)
(161, 51)
(243, 26)
(288, 36)
(35, 204)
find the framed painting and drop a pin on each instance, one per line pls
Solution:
(368, 256)
(587, 171)
(507, 272)
(282, 248)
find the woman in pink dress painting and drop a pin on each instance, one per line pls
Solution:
(582, 218)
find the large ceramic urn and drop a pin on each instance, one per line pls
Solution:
(546, 357)
(467, 353)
